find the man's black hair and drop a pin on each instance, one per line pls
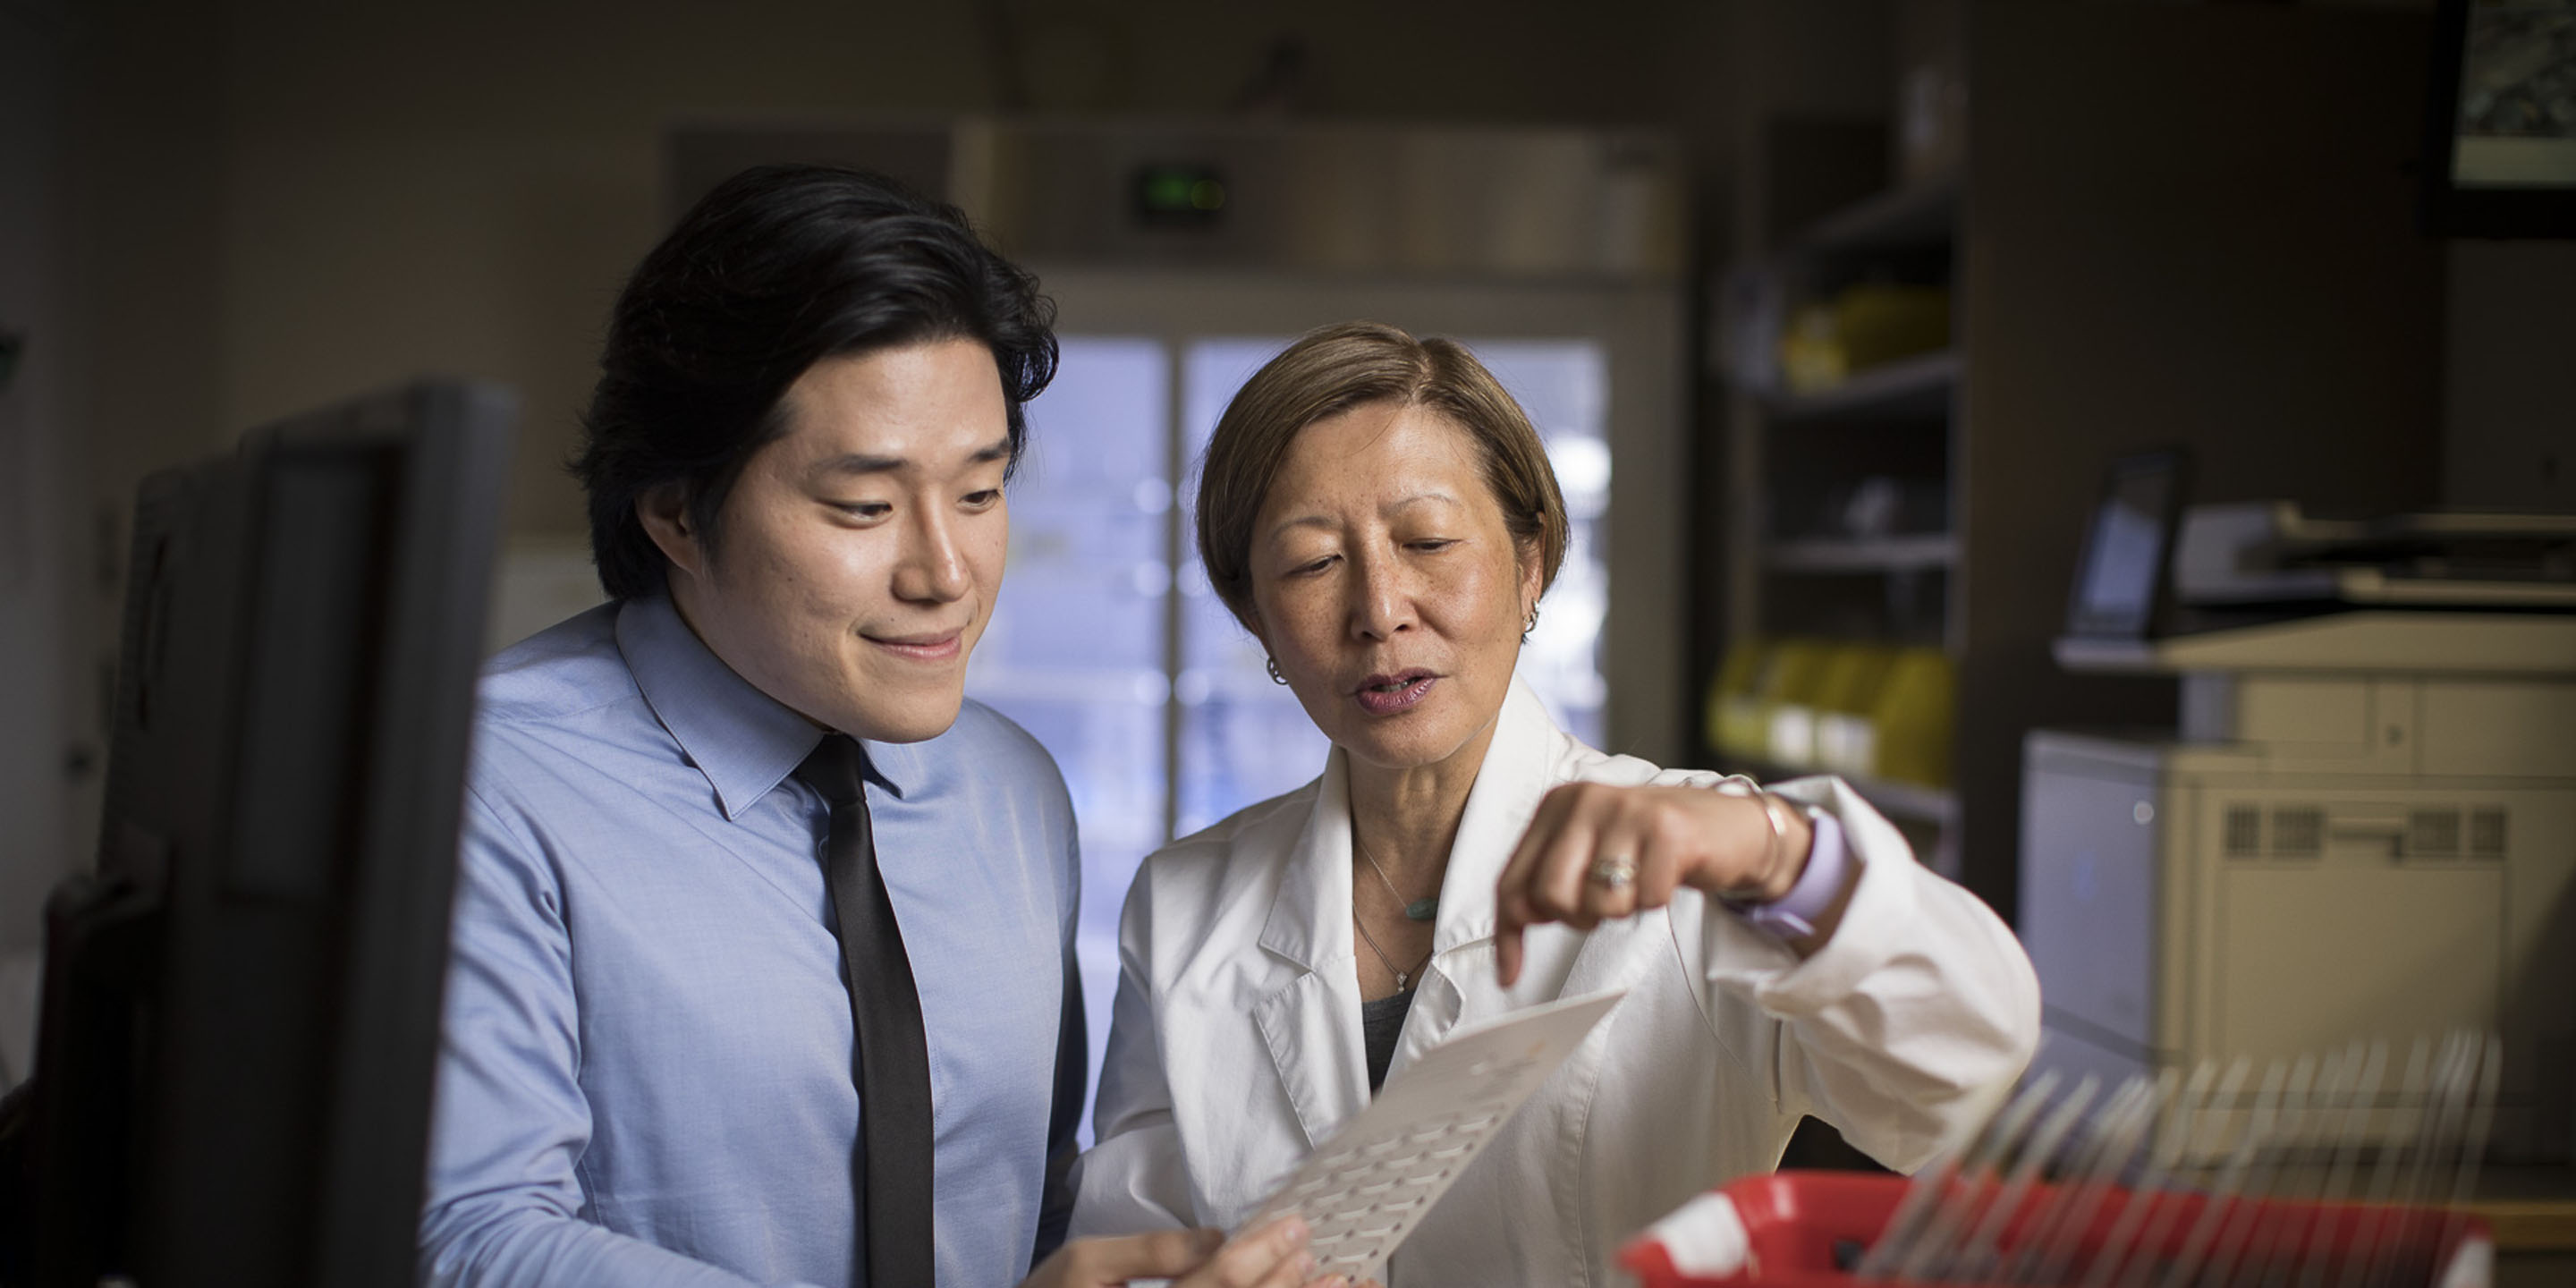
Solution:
(775, 270)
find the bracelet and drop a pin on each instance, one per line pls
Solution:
(1774, 812)
(1794, 915)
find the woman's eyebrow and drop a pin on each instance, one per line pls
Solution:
(1326, 522)
(1301, 521)
(1418, 497)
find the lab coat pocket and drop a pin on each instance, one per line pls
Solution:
(1288, 1075)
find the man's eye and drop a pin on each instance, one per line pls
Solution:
(1435, 544)
(986, 497)
(864, 509)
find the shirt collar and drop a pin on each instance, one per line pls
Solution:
(745, 741)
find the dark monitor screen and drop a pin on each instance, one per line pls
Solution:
(2120, 580)
(241, 1005)
(2502, 119)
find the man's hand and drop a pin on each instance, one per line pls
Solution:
(1273, 1256)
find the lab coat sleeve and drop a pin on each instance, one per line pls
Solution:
(1912, 1021)
(511, 1121)
(1135, 1177)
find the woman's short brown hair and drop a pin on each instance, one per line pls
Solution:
(1333, 369)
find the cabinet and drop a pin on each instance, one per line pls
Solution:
(1841, 534)
(2191, 902)
(2168, 226)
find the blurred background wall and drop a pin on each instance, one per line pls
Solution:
(221, 212)
(218, 211)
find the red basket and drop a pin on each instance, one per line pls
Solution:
(1802, 1228)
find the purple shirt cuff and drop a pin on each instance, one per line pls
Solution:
(1794, 914)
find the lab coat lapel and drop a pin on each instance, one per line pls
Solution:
(1462, 985)
(1311, 1022)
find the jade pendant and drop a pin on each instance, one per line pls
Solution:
(1422, 909)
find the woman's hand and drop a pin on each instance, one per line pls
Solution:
(1596, 852)
(1273, 1256)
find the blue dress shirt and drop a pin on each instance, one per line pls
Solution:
(647, 1076)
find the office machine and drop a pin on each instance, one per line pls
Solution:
(241, 1005)
(2363, 826)
(2272, 558)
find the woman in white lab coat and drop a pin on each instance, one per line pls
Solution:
(1381, 516)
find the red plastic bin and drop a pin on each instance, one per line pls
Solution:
(1800, 1227)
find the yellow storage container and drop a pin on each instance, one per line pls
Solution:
(1882, 322)
(1733, 719)
(1916, 717)
(1846, 721)
(1796, 682)
(1826, 343)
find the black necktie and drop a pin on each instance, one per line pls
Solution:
(894, 1056)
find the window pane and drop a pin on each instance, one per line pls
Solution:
(1075, 649)
(1564, 385)
(1243, 738)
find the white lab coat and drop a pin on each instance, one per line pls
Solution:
(1235, 1047)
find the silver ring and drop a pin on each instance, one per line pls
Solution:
(1614, 872)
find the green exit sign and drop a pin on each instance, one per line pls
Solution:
(1177, 195)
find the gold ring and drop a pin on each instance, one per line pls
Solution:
(1614, 872)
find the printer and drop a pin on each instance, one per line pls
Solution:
(2363, 827)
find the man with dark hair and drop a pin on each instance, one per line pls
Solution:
(763, 945)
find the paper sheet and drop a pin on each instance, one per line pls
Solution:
(1382, 1172)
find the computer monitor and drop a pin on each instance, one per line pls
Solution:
(241, 1006)
(2501, 120)
(2122, 584)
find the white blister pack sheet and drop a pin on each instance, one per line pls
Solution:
(1380, 1174)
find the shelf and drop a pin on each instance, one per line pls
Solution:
(1912, 802)
(1862, 554)
(1901, 219)
(1916, 388)
(2357, 639)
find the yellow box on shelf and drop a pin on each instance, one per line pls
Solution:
(1736, 718)
(1915, 715)
(1798, 670)
(1846, 719)
(1865, 325)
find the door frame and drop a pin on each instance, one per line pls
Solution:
(1641, 327)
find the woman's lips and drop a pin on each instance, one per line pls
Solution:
(1386, 695)
(921, 648)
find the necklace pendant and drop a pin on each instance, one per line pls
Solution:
(1422, 909)
(1402, 979)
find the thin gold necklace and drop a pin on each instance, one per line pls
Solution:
(1403, 978)
(1418, 910)
(1422, 909)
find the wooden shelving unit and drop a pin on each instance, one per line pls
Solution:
(1862, 554)
(1901, 801)
(1923, 214)
(1802, 560)
(2131, 266)
(1916, 388)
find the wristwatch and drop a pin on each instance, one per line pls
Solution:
(1794, 915)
